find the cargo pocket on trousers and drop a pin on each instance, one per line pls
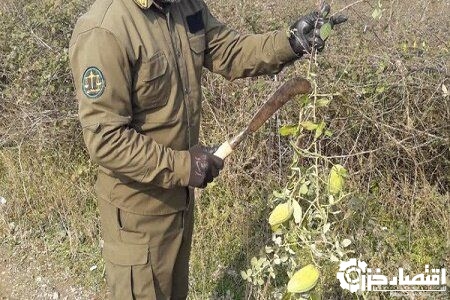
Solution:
(126, 254)
(152, 84)
(129, 273)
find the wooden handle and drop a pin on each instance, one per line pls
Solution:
(224, 150)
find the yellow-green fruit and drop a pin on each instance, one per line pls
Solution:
(336, 179)
(303, 280)
(280, 214)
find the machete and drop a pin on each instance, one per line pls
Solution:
(286, 92)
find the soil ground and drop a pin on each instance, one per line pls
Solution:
(25, 277)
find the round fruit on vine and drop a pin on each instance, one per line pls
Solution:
(281, 214)
(303, 280)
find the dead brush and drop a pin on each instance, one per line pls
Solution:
(389, 117)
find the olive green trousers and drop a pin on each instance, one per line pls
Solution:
(146, 257)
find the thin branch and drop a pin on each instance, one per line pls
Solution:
(348, 6)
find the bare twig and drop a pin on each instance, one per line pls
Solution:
(348, 6)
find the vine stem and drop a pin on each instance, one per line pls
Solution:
(348, 6)
(312, 76)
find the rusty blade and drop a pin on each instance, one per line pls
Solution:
(282, 95)
(286, 92)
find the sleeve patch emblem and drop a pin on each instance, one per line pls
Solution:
(93, 83)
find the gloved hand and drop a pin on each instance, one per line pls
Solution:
(305, 33)
(204, 165)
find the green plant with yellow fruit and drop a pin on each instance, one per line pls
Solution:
(304, 213)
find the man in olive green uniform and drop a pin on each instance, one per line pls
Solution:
(137, 68)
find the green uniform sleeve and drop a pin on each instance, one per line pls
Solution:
(235, 56)
(103, 80)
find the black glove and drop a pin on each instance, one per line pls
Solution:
(305, 33)
(204, 165)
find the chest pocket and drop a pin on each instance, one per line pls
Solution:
(197, 44)
(152, 85)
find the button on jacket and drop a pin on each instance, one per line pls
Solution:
(138, 80)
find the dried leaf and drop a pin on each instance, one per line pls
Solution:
(444, 90)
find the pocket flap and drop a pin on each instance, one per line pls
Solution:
(197, 43)
(155, 67)
(125, 254)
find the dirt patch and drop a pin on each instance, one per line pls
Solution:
(24, 277)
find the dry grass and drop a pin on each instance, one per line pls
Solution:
(390, 124)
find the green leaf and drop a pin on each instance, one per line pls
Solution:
(322, 102)
(377, 13)
(244, 275)
(288, 130)
(328, 133)
(297, 212)
(286, 296)
(279, 195)
(335, 182)
(304, 100)
(325, 31)
(253, 261)
(336, 179)
(345, 243)
(331, 199)
(303, 189)
(275, 227)
(341, 170)
(319, 129)
(314, 296)
(380, 89)
(308, 125)
(333, 258)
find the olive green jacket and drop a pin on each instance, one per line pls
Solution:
(138, 82)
